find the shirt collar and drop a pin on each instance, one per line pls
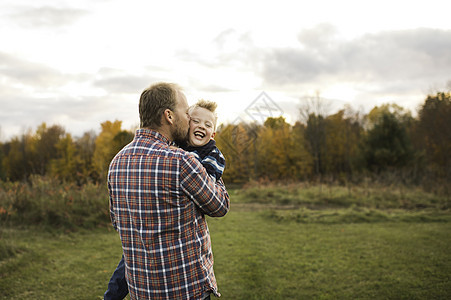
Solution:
(153, 134)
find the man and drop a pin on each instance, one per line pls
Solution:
(158, 200)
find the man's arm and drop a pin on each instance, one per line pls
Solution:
(209, 195)
(112, 214)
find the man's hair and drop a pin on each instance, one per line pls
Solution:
(154, 101)
(209, 105)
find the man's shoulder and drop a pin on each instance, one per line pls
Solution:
(187, 158)
(144, 151)
(184, 155)
(167, 152)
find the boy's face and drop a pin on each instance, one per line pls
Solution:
(201, 126)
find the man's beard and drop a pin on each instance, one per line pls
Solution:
(180, 136)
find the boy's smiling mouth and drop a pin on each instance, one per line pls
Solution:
(199, 134)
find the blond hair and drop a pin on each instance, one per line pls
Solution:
(208, 105)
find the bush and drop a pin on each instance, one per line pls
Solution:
(321, 196)
(48, 202)
(354, 215)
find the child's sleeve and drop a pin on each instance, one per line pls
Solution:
(214, 163)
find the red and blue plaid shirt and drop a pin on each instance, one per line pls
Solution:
(158, 201)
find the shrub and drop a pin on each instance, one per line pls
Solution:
(321, 196)
(46, 201)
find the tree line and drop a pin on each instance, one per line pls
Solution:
(387, 144)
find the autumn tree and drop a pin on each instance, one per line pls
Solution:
(281, 152)
(110, 140)
(342, 139)
(85, 148)
(67, 163)
(237, 144)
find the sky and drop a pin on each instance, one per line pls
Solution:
(80, 63)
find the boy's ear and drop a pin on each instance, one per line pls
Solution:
(213, 135)
(168, 116)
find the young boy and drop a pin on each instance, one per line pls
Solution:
(202, 130)
(201, 143)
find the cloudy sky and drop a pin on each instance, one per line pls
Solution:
(80, 63)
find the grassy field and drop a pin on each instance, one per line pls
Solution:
(286, 242)
(296, 241)
(261, 258)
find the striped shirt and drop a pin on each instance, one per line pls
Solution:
(158, 201)
(210, 157)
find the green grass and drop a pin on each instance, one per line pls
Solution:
(259, 253)
(336, 196)
(58, 265)
(257, 258)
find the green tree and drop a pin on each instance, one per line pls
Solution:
(121, 139)
(433, 134)
(303, 158)
(398, 112)
(2, 167)
(387, 146)
(14, 163)
(315, 138)
(43, 147)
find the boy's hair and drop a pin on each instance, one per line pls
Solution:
(209, 105)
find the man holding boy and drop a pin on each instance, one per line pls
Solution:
(158, 200)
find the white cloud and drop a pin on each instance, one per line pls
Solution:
(81, 63)
(409, 54)
(45, 16)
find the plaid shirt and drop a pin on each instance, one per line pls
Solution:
(158, 201)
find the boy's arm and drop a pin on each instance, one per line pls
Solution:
(214, 163)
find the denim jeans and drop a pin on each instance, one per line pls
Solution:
(117, 287)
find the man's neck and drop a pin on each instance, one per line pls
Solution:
(164, 131)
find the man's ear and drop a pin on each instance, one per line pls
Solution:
(168, 116)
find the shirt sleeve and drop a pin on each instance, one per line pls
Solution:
(112, 214)
(209, 195)
(214, 163)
